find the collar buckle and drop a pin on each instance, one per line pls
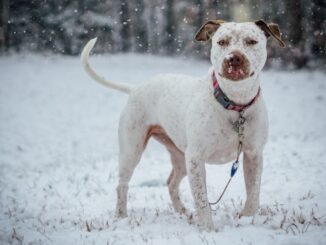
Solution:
(224, 102)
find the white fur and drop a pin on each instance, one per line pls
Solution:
(198, 125)
(84, 60)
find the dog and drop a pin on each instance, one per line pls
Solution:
(196, 126)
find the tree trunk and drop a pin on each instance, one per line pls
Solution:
(139, 27)
(295, 32)
(219, 9)
(318, 45)
(4, 42)
(200, 13)
(199, 21)
(170, 27)
(125, 26)
(152, 28)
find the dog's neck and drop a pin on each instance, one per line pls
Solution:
(241, 92)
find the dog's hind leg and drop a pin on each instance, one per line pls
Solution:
(177, 174)
(132, 134)
(178, 163)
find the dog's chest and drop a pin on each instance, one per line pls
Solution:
(227, 139)
(226, 144)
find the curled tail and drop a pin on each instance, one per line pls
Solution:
(123, 87)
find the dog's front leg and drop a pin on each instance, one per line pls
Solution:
(197, 178)
(252, 167)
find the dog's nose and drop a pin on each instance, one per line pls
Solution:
(234, 59)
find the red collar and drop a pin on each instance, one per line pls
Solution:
(226, 102)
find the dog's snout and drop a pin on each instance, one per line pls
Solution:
(235, 66)
(234, 59)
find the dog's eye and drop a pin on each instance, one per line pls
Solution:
(251, 42)
(223, 42)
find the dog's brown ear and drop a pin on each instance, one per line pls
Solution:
(272, 30)
(208, 29)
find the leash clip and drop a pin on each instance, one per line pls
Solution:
(234, 168)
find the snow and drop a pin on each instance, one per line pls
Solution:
(59, 147)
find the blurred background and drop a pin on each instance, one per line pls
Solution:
(59, 129)
(164, 27)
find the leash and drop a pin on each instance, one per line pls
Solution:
(238, 126)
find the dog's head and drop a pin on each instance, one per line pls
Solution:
(238, 49)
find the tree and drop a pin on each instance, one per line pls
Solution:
(170, 27)
(125, 26)
(220, 9)
(199, 21)
(318, 12)
(139, 27)
(295, 33)
(4, 10)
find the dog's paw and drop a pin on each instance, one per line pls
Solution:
(120, 214)
(190, 217)
(206, 227)
(205, 224)
(184, 211)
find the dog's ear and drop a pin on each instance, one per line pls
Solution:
(208, 29)
(272, 30)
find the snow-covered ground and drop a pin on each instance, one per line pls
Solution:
(59, 147)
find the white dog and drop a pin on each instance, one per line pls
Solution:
(194, 118)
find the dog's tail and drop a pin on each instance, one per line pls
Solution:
(123, 87)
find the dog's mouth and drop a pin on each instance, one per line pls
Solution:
(236, 74)
(251, 74)
(236, 67)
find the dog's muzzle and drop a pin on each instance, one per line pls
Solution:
(235, 66)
